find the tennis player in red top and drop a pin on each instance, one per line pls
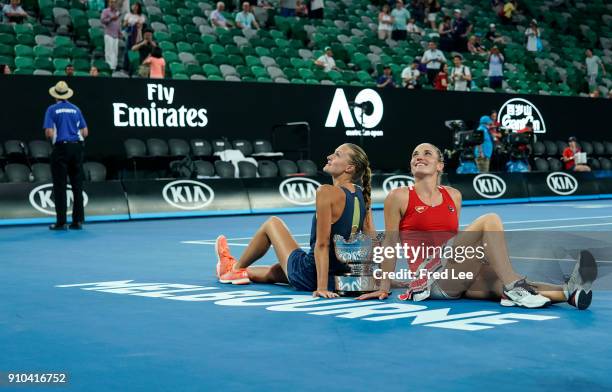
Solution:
(428, 214)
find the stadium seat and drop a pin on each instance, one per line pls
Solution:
(244, 146)
(157, 147)
(94, 171)
(200, 148)
(263, 148)
(178, 147)
(307, 167)
(204, 168)
(541, 165)
(598, 148)
(16, 172)
(247, 169)
(587, 147)
(42, 172)
(593, 163)
(40, 149)
(287, 168)
(15, 148)
(224, 169)
(219, 145)
(267, 169)
(134, 148)
(551, 148)
(608, 146)
(605, 164)
(539, 149)
(554, 164)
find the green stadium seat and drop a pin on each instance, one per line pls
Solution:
(24, 51)
(259, 72)
(60, 64)
(210, 70)
(24, 62)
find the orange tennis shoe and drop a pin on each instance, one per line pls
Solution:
(239, 276)
(225, 260)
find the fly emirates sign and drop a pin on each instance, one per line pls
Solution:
(160, 113)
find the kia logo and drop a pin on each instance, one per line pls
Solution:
(395, 182)
(300, 191)
(41, 198)
(562, 183)
(489, 186)
(188, 194)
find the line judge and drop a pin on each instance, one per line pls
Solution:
(66, 128)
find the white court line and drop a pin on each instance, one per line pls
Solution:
(559, 219)
(560, 227)
(551, 259)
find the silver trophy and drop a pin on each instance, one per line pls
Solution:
(355, 254)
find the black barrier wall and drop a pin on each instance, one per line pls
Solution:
(396, 120)
(114, 200)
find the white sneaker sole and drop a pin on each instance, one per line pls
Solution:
(509, 303)
(218, 258)
(236, 281)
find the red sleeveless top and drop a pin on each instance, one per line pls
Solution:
(421, 217)
(423, 226)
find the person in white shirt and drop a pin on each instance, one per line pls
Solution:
(533, 34)
(433, 59)
(385, 23)
(216, 17)
(460, 76)
(326, 61)
(592, 64)
(410, 76)
(412, 28)
(316, 9)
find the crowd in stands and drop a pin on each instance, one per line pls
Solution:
(128, 36)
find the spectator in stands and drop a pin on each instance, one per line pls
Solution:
(216, 17)
(433, 58)
(460, 75)
(593, 63)
(432, 8)
(385, 23)
(595, 93)
(13, 13)
(418, 10)
(441, 80)
(474, 46)
(400, 17)
(326, 61)
(569, 154)
(93, 71)
(301, 10)
(156, 63)
(5, 69)
(69, 70)
(496, 68)
(287, 7)
(145, 47)
(533, 35)
(609, 91)
(507, 12)
(133, 24)
(413, 28)
(316, 9)
(245, 19)
(461, 29)
(112, 30)
(484, 151)
(386, 79)
(493, 36)
(497, 6)
(445, 30)
(411, 75)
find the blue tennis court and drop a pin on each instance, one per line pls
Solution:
(136, 306)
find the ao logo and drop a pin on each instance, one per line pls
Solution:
(300, 191)
(40, 198)
(517, 112)
(489, 186)
(562, 183)
(340, 107)
(395, 182)
(188, 195)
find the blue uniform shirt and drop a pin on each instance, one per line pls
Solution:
(67, 120)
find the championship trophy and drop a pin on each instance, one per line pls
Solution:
(355, 254)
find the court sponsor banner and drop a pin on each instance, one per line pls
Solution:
(382, 184)
(490, 188)
(34, 202)
(177, 198)
(605, 186)
(561, 186)
(273, 195)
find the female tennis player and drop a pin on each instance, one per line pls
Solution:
(335, 213)
(428, 213)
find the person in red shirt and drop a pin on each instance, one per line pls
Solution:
(494, 128)
(568, 157)
(427, 213)
(441, 80)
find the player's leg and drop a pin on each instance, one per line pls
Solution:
(59, 172)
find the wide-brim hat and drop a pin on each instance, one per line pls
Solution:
(61, 90)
